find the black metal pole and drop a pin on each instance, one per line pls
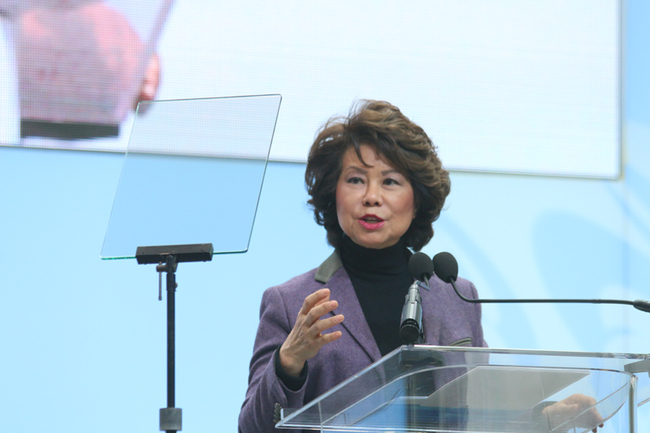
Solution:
(171, 333)
(171, 417)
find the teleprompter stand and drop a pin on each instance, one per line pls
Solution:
(176, 190)
(167, 258)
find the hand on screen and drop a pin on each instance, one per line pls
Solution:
(306, 337)
(82, 62)
(150, 83)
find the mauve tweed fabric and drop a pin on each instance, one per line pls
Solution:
(447, 319)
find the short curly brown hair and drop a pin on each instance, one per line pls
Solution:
(403, 143)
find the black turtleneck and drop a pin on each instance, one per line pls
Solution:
(381, 280)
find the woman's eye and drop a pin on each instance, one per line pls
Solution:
(355, 180)
(390, 181)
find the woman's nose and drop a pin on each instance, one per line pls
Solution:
(373, 195)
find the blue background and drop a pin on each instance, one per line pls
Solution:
(83, 340)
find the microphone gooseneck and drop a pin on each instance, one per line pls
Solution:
(445, 267)
(421, 269)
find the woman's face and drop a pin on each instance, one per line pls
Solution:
(374, 203)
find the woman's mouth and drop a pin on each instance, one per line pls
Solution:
(371, 222)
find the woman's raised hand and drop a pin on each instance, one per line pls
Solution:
(306, 338)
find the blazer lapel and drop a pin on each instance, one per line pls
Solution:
(354, 321)
(430, 304)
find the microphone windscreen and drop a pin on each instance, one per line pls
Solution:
(642, 305)
(420, 266)
(445, 267)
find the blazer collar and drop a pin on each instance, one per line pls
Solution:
(332, 273)
(328, 268)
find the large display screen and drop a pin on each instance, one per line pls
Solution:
(514, 86)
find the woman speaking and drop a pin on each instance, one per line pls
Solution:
(376, 185)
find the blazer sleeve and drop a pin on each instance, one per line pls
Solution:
(479, 340)
(265, 390)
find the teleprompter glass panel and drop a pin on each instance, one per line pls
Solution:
(192, 174)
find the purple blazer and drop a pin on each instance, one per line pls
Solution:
(447, 321)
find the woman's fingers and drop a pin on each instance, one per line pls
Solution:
(325, 324)
(571, 408)
(319, 311)
(307, 338)
(316, 306)
(332, 336)
(316, 298)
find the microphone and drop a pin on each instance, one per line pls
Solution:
(421, 269)
(446, 268)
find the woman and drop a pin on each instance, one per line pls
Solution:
(376, 185)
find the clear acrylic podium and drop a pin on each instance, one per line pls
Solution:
(459, 389)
